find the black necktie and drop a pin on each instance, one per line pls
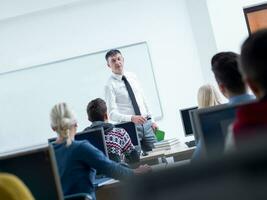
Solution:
(132, 97)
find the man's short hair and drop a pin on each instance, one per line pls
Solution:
(254, 58)
(96, 110)
(111, 53)
(225, 69)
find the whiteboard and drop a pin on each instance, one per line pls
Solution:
(27, 95)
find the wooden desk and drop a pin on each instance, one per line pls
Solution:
(180, 153)
(109, 192)
(152, 158)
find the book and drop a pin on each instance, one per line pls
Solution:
(165, 144)
(168, 142)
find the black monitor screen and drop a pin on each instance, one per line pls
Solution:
(95, 137)
(131, 130)
(214, 125)
(187, 124)
(36, 168)
(51, 140)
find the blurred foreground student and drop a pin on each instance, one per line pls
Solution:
(251, 119)
(78, 160)
(119, 144)
(12, 188)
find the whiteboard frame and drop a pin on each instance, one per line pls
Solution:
(157, 118)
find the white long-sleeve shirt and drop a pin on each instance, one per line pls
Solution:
(120, 108)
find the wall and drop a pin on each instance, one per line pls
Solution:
(13, 8)
(88, 26)
(228, 22)
(204, 37)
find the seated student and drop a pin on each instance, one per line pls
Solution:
(12, 188)
(118, 141)
(78, 160)
(207, 96)
(251, 119)
(230, 82)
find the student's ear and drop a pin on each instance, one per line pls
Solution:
(254, 87)
(223, 89)
(106, 116)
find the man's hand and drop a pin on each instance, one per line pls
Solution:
(154, 126)
(142, 169)
(138, 119)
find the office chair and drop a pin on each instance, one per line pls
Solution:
(79, 196)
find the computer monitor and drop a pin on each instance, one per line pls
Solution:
(51, 140)
(131, 130)
(193, 124)
(187, 123)
(36, 167)
(212, 126)
(95, 137)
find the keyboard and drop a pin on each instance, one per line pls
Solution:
(191, 143)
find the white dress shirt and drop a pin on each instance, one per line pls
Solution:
(120, 108)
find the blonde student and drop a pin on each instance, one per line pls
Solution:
(208, 96)
(78, 160)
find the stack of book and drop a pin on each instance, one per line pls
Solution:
(166, 144)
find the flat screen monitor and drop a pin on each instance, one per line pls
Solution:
(95, 137)
(131, 130)
(187, 123)
(36, 167)
(213, 126)
(193, 124)
(255, 16)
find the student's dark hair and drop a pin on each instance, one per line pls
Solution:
(254, 58)
(111, 53)
(225, 69)
(96, 110)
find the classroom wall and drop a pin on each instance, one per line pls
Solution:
(228, 22)
(81, 27)
(203, 35)
(13, 8)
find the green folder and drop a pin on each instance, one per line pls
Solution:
(159, 135)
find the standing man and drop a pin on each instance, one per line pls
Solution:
(126, 102)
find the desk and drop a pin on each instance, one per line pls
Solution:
(109, 192)
(178, 152)
(152, 158)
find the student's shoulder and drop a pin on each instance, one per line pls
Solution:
(120, 131)
(79, 145)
